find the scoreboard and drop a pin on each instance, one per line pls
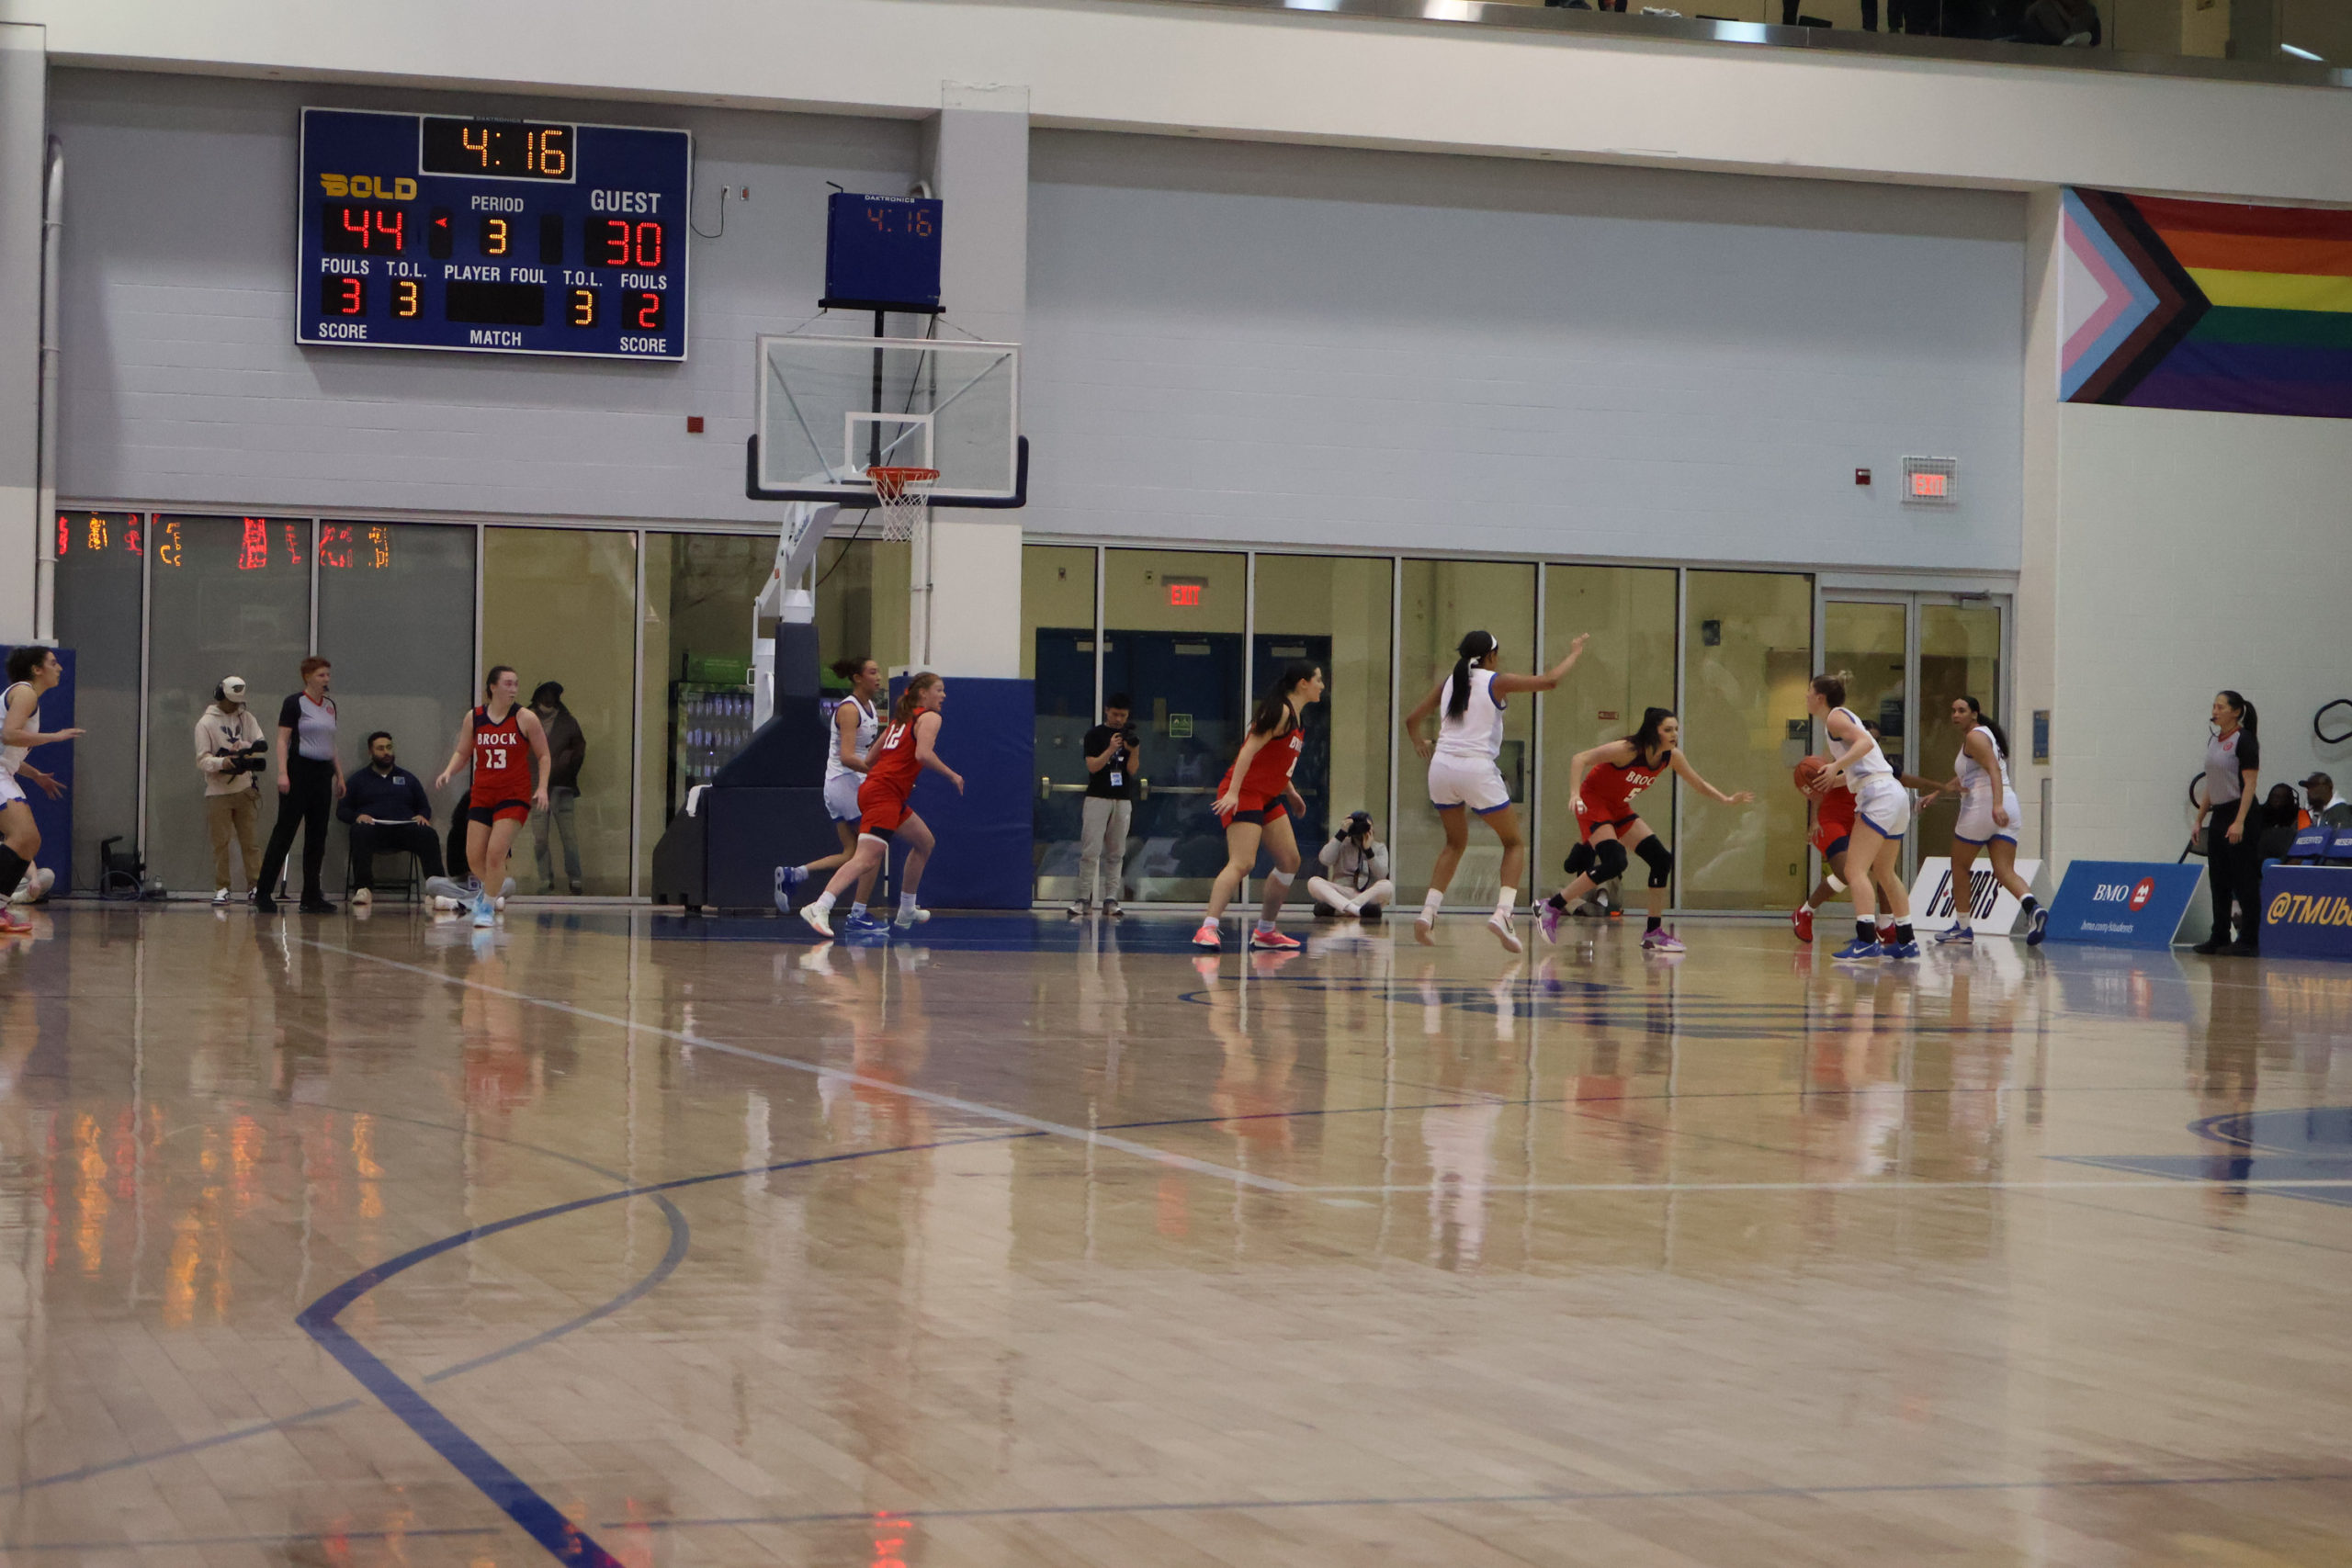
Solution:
(492, 236)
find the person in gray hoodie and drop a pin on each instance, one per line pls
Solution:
(225, 741)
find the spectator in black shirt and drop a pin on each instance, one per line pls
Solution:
(1113, 752)
(387, 808)
(567, 748)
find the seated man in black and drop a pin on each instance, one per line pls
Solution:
(388, 809)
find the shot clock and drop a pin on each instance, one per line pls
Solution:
(492, 236)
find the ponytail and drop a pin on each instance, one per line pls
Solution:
(1472, 648)
(1999, 738)
(2247, 720)
(910, 700)
(1273, 709)
(1832, 688)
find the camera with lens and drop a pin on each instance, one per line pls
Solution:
(1357, 827)
(249, 759)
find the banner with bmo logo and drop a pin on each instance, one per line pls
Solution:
(2122, 903)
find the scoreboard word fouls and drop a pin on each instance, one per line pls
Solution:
(493, 236)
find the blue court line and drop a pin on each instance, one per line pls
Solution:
(1272, 1504)
(539, 1518)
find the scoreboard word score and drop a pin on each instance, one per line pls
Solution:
(492, 236)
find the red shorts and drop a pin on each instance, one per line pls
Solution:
(881, 810)
(1833, 825)
(1259, 808)
(1585, 824)
(498, 811)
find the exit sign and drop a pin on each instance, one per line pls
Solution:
(1185, 592)
(1930, 481)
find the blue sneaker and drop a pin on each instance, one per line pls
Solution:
(1859, 949)
(2040, 926)
(1965, 935)
(866, 923)
(484, 914)
(788, 877)
(1900, 950)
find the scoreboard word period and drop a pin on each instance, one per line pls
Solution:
(492, 236)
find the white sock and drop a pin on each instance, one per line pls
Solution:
(824, 904)
(906, 903)
(1503, 903)
(1430, 902)
(856, 910)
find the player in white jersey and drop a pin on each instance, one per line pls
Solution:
(1464, 774)
(857, 725)
(1882, 815)
(32, 672)
(1988, 820)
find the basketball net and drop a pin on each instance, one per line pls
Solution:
(903, 498)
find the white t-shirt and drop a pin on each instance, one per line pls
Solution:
(12, 755)
(869, 725)
(1478, 732)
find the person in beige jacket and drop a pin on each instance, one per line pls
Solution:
(231, 793)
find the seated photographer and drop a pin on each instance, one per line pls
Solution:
(231, 753)
(1356, 866)
(388, 809)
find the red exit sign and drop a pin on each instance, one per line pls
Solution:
(1929, 487)
(1185, 592)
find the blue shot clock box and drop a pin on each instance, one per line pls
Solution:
(882, 253)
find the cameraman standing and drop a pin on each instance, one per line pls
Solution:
(231, 753)
(1112, 755)
(1358, 882)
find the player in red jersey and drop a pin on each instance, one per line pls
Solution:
(903, 750)
(492, 742)
(1833, 827)
(1254, 801)
(1606, 779)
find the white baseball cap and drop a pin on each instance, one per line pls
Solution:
(232, 686)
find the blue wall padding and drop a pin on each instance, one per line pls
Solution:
(53, 817)
(987, 855)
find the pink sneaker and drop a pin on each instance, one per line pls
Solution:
(1206, 937)
(1548, 922)
(1661, 941)
(1275, 940)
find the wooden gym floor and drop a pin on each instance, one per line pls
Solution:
(630, 1239)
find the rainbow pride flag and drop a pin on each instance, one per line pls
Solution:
(2206, 305)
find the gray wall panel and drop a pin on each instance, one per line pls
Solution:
(183, 384)
(1254, 342)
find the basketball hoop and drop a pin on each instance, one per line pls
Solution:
(904, 497)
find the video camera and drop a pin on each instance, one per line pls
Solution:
(251, 758)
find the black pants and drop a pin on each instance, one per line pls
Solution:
(370, 839)
(308, 806)
(2236, 871)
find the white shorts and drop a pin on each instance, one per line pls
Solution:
(840, 797)
(1976, 825)
(11, 792)
(1885, 805)
(1474, 782)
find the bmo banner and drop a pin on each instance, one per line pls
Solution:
(2123, 903)
(1992, 906)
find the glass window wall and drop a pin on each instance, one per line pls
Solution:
(862, 588)
(698, 672)
(561, 605)
(1058, 656)
(1173, 624)
(231, 596)
(1443, 602)
(1960, 656)
(396, 614)
(1628, 666)
(101, 559)
(1332, 611)
(1747, 658)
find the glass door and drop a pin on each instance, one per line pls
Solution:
(1173, 624)
(1906, 656)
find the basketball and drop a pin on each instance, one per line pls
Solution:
(1809, 769)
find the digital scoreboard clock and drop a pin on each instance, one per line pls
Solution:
(882, 253)
(492, 236)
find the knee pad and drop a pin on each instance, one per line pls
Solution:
(1661, 860)
(1281, 878)
(1608, 861)
(1579, 860)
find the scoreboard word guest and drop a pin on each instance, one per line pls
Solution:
(492, 236)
